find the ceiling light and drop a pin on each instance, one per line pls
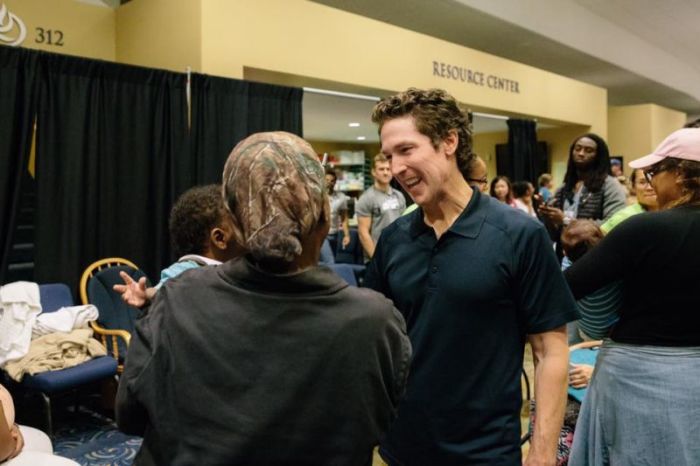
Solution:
(361, 138)
(353, 125)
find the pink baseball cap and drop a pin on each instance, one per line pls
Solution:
(682, 144)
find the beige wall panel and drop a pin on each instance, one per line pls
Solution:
(160, 34)
(332, 146)
(630, 130)
(636, 130)
(664, 121)
(558, 141)
(84, 30)
(304, 38)
(485, 147)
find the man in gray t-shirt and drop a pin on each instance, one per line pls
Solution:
(378, 206)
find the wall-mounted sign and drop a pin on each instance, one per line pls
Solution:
(12, 29)
(49, 37)
(475, 77)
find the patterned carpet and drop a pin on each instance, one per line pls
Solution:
(92, 439)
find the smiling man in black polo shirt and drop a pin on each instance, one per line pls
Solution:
(473, 278)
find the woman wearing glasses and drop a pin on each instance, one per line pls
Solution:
(641, 188)
(642, 405)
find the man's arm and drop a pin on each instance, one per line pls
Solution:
(345, 224)
(551, 355)
(614, 198)
(363, 226)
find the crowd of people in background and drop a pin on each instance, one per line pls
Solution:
(594, 187)
(294, 366)
(594, 198)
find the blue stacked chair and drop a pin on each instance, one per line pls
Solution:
(53, 297)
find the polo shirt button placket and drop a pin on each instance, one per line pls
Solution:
(434, 269)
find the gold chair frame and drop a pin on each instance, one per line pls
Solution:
(103, 334)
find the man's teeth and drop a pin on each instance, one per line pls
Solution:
(412, 182)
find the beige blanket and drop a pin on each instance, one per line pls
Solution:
(56, 351)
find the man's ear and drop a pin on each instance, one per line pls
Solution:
(451, 142)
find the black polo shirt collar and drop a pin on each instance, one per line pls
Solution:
(468, 224)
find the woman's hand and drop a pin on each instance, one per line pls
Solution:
(580, 375)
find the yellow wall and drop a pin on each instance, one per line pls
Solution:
(629, 131)
(636, 130)
(332, 146)
(160, 34)
(88, 30)
(558, 142)
(484, 145)
(321, 44)
(303, 38)
(664, 121)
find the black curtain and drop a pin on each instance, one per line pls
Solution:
(112, 154)
(225, 111)
(18, 78)
(523, 154)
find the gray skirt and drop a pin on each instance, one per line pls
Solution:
(642, 408)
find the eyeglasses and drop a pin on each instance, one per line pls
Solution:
(654, 170)
(479, 181)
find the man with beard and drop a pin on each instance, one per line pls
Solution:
(588, 192)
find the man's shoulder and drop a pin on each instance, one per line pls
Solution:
(507, 219)
(613, 185)
(368, 193)
(397, 193)
(401, 226)
(367, 197)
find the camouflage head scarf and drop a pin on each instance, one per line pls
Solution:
(274, 187)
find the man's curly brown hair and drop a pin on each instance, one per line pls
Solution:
(435, 113)
(196, 212)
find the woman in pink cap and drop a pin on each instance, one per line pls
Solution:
(643, 402)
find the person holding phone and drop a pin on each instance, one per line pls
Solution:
(588, 192)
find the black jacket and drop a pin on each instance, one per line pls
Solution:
(235, 366)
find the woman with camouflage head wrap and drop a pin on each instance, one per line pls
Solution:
(274, 188)
(266, 359)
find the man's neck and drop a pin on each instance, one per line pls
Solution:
(444, 211)
(382, 187)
